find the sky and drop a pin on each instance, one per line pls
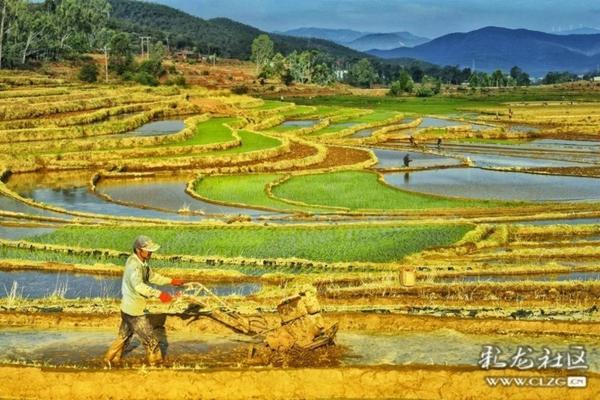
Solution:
(429, 18)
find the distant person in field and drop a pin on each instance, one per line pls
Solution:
(412, 141)
(439, 143)
(135, 290)
(407, 160)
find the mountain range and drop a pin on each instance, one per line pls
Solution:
(487, 49)
(223, 36)
(360, 41)
(493, 48)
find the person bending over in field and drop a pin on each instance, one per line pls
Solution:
(134, 318)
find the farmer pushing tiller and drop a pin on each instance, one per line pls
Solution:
(301, 325)
(136, 289)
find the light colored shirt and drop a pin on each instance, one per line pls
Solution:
(135, 287)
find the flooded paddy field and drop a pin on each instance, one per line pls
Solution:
(363, 133)
(528, 154)
(15, 206)
(300, 123)
(156, 128)
(477, 183)
(36, 284)
(394, 158)
(156, 198)
(20, 232)
(167, 193)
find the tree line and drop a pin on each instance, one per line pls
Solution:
(415, 77)
(50, 30)
(55, 30)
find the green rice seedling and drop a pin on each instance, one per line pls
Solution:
(344, 243)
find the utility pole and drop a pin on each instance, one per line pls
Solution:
(106, 63)
(146, 40)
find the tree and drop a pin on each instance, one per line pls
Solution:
(158, 51)
(404, 84)
(11, 30)
(3, 19)
(49, 29)
(479, 79)
(362, 73)
(432, 84)
(35, 28)
(498, 78)
(300, 66)
(558, 77)
(121, 53)
(262, 51)
(78, 21)
(474, 81)
(515, 72)
(416, 73)
(323, 74)
(396, 89)
(521, 78)
(278, 65)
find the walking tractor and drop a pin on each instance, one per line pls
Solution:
(301, 326)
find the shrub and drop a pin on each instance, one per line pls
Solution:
(177, 80)
(398, 88)
(152, 67)
(424, 92)
(88, 73)
(404, 84)
(144, 78)
(239, 89)
(127, 76)
(287, 79)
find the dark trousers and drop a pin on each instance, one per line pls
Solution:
(150, 329)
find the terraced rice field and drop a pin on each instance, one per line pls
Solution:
(498, 220)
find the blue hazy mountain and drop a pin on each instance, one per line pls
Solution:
(358, 40)
(493, 47)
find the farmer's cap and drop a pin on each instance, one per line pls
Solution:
(145, 243)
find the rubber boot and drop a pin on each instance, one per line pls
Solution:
(154, 356)
(115, 352)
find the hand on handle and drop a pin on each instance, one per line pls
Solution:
(165, 297)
